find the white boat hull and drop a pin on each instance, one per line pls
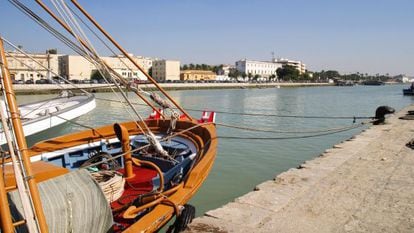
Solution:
(47, 119)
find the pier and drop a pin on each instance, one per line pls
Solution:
(27, 89)
(364, 184)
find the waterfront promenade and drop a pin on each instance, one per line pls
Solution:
(364, 184)
(54, 88)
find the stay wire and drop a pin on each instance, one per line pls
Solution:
(25, 10)
(102, 41)
(71, 21)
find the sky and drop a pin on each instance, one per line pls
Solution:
(366, 36)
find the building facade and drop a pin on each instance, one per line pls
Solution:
(163, 70)
(74, 67)
(300, 66)
(225, 70)
(262, 68)
(196, 75)
(123, 66)
(23, 68)
(78, 68)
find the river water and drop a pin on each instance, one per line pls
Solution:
(242, 164)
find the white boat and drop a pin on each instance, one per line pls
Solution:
(45, 114)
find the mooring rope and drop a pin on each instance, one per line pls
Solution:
(283, 131)
(292, 137)
(260, 114)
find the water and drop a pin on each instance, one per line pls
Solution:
(241, 165)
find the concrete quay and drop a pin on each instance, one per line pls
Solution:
(54, 88)
(364, 184)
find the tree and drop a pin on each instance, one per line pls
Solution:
(250, 75)
(96, 75)
(204, 67)
(185, 67)
(216, 69)
(305, 76)
(288, 73)
(234, 73)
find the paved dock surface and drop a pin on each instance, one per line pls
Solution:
(365, 184)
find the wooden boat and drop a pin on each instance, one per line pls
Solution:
(124, 177)
(42, 115)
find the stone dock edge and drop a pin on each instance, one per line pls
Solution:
(363, 184)
(29, 89)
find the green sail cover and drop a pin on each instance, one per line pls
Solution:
(72, 202)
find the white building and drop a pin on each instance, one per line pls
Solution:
(261, 68)
(225, 70)
(24, 68)
(163, 70)
(123, 66)
(297, 64)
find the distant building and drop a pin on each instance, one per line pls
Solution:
(77, 67)
(23, 68)
(261, 68)
(163, 70)
(301, 67)
(197, 75)
(225, 70)
(123, 66)
(403, 78)
(74, 67)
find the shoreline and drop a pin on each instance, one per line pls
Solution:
(35, 89)
(363, 184)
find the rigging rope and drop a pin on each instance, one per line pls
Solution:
(105, 44)
(68, 18)
(41, 65)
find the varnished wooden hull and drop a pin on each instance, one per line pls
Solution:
(203, 137)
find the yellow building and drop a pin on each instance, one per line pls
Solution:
(197, 75)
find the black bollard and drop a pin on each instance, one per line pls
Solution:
(380, 114)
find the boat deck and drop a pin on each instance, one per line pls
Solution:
(134, 187)
(43, 108)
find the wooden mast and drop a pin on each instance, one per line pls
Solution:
(68, 29)
(21, 142)
(125, 53)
